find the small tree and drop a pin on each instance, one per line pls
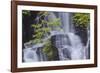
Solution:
(43, 27)
(42, 30)
(81, 19)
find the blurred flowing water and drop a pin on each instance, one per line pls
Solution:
(68, 44)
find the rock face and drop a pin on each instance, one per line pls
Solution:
(33, 53)
(69, 46)
(66, 44)
(59, 41)
(30, 55)
(64, 47)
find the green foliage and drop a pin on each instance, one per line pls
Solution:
(43, 14)
(41, 29)
(26, 12)
(44, 27)
(55, 24)
(81, 19)
(48, 50)
(36, 26)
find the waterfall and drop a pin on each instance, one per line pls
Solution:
(61, 42)
(65, 17)
(42, 56)
(33, 53)
(30, 55)
(68, 44)
(74, 50)
(87, 47)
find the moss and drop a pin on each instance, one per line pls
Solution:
(81, 19)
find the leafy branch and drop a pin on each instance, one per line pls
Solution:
(42, 29)
(81, 19)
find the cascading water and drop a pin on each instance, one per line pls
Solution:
(65, 21)
(30, 55)
(87, 47)
(67, 26)
(42, 56)
(74, 50)
(68, 44)
(33, 53)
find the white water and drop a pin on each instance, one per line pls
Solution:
(30, 55)
(33, 53)
(69, 45)
(65, 21)
(87, 47)
(77, 48)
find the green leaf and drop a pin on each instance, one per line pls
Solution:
(81, 19)
(36, 25)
